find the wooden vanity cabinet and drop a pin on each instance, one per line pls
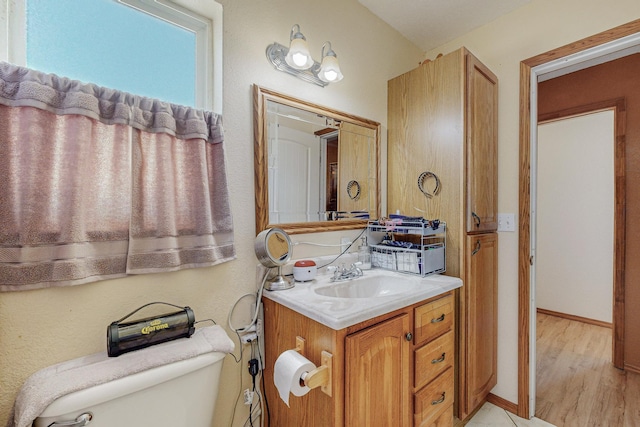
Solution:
(442, 119)
(396, 369)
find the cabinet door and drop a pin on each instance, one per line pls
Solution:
(377, 375)
(426, 134)
(482, 319)
(482, 147)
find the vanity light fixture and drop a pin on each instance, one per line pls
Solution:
(329, 68)
(297, 61)
(298, 56)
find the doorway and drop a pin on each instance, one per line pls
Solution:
(574, 55)
(574, 267)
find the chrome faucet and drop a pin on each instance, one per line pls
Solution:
(341, 273)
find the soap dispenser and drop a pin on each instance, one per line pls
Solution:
(364, 255)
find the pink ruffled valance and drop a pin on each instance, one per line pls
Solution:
(23, 87)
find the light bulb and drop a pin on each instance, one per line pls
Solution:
(299, 59)
(330, 75)
(298, 56)
(330, 69)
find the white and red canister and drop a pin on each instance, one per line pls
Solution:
(304, 270)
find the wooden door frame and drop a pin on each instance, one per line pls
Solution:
(524, 240)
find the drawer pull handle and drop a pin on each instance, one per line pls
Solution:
(440, 360)
(408, 336)
(476, 219)
(477, 249)
(439, 401)
(438, 320)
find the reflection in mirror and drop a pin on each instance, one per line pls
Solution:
(319, 168)
(316, 168)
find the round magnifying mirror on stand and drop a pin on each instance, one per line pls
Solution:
(273, 249)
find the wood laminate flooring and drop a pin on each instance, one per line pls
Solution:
(576, 383)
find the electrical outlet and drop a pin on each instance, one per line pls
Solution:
(247, 338)
(506, 222)
(248, 397)
(260, 322)
(260, 332)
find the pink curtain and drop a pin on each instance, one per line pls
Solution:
(98, 184)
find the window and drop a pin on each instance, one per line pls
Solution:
(164, 49)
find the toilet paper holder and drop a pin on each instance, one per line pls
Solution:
(322, 375)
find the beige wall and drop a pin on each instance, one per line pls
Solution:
(538, 27)
(39, 328)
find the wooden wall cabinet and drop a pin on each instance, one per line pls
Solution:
(442, 118)
(481, 124)
(393, 370)
(481, 320)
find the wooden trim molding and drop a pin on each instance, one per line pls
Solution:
(576, 318)
(617, 104)
(494, 400)
(524, 241)
(633, 369)
(524, 265)
(616, 33)
(502, 403)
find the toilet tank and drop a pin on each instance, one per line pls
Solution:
(178, 394)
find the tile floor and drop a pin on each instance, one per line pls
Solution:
(492, 416)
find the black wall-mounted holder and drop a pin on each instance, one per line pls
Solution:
(353, 190)
(424, 176)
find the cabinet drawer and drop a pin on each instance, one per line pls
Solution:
(444, 420)
(433, 319)
(433, 400)
(432, 359)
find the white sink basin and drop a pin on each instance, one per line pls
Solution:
(365, 287)
(342, 304)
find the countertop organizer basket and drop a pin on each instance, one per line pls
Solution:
(408, 245)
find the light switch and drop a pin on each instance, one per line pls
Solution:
(506, 222)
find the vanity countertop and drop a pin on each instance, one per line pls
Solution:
(312, 298)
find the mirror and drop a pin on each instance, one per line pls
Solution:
(316, 169)
(273, 249)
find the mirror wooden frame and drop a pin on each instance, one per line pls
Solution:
(260, 97)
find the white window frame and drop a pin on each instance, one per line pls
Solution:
(203, 18)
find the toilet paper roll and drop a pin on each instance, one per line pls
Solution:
(288, 369)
